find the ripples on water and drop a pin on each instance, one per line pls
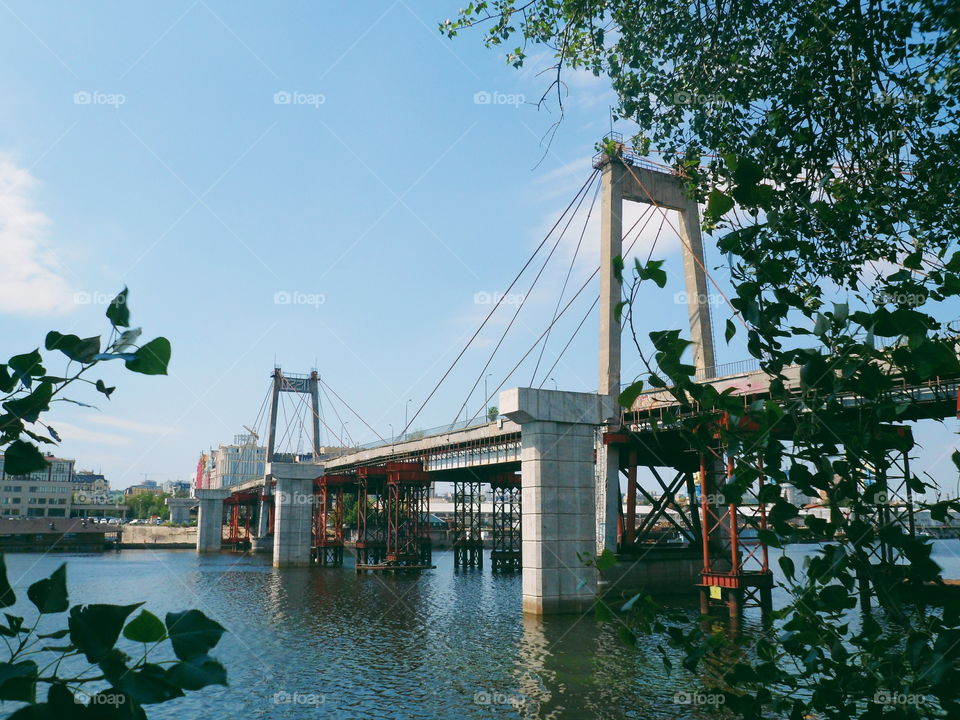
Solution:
(325, 642)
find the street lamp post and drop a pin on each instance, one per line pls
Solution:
(406, 410)
(555, 386)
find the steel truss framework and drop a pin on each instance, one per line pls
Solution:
(736, 563)
(669, 521)
(886, 485)
(328, 519)
(408, 515)
(506, 552)
(371, 515)
(467, 541)
(240, 509)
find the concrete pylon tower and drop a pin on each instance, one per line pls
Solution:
(626, 178)
(303, 384)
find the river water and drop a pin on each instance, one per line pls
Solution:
(325, 642)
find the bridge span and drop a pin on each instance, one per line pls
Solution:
(554, 464)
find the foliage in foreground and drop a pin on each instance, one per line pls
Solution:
(822, 138)
(28, 390)
(85, 675)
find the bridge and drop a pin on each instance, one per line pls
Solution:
(554, 462)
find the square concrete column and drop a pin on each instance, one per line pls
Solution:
(294, 506)
(558, 483)
(210, 519)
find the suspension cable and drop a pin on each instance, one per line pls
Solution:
(516, 313)
(498, 303)
(566, 280)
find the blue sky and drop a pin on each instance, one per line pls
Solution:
(221, 157)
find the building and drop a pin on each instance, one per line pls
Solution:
(230, 465)
(42, 493)
(92, 497)
(147, 486)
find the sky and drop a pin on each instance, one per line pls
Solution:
(305, 185)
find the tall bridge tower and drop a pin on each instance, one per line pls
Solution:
(629, 178)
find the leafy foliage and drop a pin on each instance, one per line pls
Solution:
(822, 138)
(112, 686)
(29, 391)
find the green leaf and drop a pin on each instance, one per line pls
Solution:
(29, 407)
(956, 458)
(196, 673)
(7, 596)
(152, 358)
(653, 270)
(626, 636)
(101, 386)
(27, 366)
(618, 268)
(606, 559)
(630, 394)
(94, 629)
(81, 350)
(145, 627)
(730, 331)
(54, 635)
(50, 594)
(7, 381)
(18, 681)
(118, 312)
(22, 458)
(718, 205)
(192, 633)
(786, 564)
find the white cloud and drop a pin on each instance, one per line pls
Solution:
(131, 425)
(31, 280)
(74, 433)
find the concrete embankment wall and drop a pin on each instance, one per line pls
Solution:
(157, 536)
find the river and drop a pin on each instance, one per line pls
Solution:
(325, 642)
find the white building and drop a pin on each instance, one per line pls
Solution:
(230, 465)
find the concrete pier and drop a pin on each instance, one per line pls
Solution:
(293, 512)
(558, 484)
(180, 509)
(210, 519)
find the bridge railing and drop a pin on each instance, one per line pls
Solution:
(428, 432)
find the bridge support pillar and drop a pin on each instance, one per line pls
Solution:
(558, 485)
(210, 519)
(293, 521)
